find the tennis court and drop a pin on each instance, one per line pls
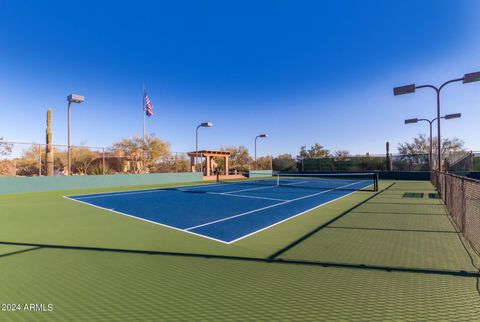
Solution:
(359, 255)
(228, 212)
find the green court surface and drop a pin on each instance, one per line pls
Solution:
(367, 257)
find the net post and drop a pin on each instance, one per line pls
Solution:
(375, 179)
(278, 179)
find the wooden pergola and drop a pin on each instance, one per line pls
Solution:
(208, 155)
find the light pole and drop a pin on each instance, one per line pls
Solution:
(205, 124)
(467, 78)
(258, 136)
(72, 98)
(447, 117)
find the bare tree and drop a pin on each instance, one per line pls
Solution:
(341, 154)
(421, 145)
(316, 151)
(284, 162)
(6, 165)
(264, 163)
(5, 148)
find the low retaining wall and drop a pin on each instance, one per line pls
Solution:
(38, 184)
(260, 173)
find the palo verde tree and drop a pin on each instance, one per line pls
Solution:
(141, 155)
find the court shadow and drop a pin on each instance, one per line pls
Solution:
(399, 230)
(316, 230)
(245, 259)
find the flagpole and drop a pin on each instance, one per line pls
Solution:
(143, 109)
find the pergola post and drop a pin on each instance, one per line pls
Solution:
(208, 164)
(192, 164)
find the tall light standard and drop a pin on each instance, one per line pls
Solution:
(467, 78)
(72, 98)
(205, 124)
(258, 136)
(416, 120)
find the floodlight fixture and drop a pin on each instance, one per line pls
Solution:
(411, 121)
(471, 77)
(407, 89)
(467, 78)
(74, 98)
(446, 117)
(453, 116)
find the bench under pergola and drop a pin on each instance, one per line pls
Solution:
(208, 155)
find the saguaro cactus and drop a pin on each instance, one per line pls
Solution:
(387, 160)
(49, 146)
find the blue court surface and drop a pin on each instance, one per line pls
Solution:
(225, 212)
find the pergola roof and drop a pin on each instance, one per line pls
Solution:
(203, 153)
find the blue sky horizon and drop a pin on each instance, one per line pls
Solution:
(301, 71)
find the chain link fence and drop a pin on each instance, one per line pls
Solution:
(476, 161)
(412, 162)
(262, 163)
(461, 196)
(455, 162)
(30, 159)
(463, 161)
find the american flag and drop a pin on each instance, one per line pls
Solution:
(148, 106)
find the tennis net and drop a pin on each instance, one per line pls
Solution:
(337, 181)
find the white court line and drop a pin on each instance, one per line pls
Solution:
(211, 238)
(271, 206)
(212, 184)
(249, 189)
(126, 192)
(151, 189)
(292, 184)
(146, 220)
(242, 196)
(281, 221)
(113, 194)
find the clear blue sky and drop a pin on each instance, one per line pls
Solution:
(301, 71)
